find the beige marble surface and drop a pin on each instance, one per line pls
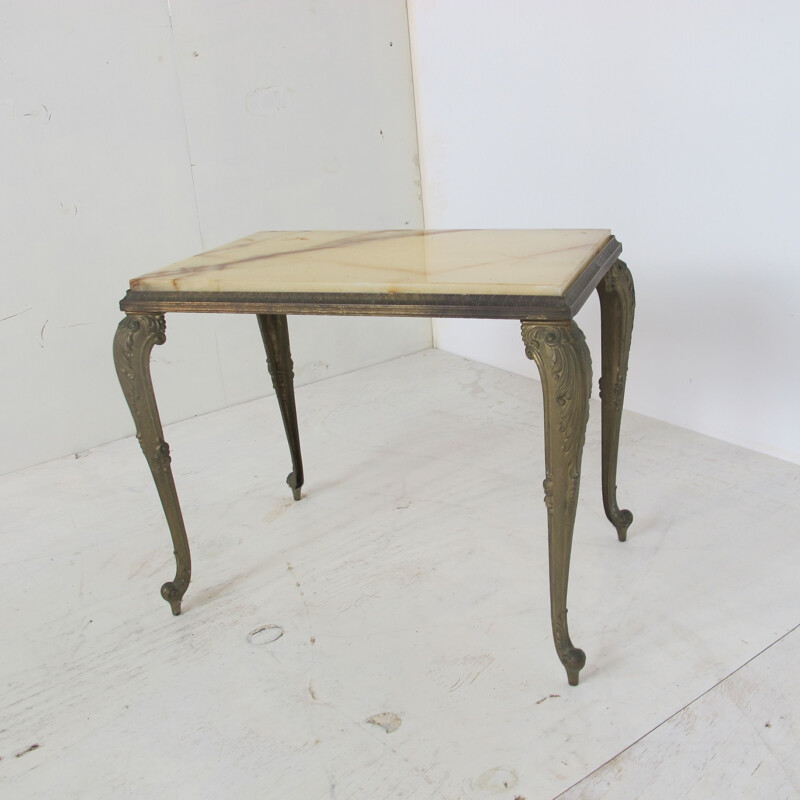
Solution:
(515, 262)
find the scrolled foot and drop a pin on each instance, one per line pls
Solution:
(291, 480)
(572, 674)
(173, 595)
(574, 660)
(622, 519)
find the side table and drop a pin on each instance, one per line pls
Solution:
(541, 277)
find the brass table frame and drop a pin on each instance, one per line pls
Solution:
(551, 338)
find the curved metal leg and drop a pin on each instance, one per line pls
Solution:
(275, 333)
(617, 303)
(560, 352)
(135, 337)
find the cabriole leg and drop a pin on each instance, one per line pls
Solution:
(275, 333)
(617, 302)
(559, 350)
(135, 337)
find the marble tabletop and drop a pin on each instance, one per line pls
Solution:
(540, 263)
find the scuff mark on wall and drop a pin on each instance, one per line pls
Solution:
(11, 316)
(40, 113)
(266, 100)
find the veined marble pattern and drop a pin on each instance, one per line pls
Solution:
(505, 262)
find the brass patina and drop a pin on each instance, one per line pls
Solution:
(551, 338)
(136, 336)
(564, 363)
(562, 356)
(617, 304)
(275, 333)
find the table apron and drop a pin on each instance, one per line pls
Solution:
(544, 308)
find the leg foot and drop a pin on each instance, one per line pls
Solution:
(291, 481)
(621, 519)
(617, 303)
(173, 595)
(275, 333)
(134, 340)
(559, 350)
(573, 672)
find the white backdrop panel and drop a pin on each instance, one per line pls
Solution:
(676, 126)
(133, 134)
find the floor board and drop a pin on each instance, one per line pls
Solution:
(409, 582)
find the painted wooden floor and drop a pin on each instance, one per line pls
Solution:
(388, 636)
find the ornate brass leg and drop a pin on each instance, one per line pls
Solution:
(135, 337)
(275, 333)
(560, 352)
(617, 302)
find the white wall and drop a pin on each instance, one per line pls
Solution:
(676, 125)
(133, 134)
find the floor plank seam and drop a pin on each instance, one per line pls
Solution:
(680, 710)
